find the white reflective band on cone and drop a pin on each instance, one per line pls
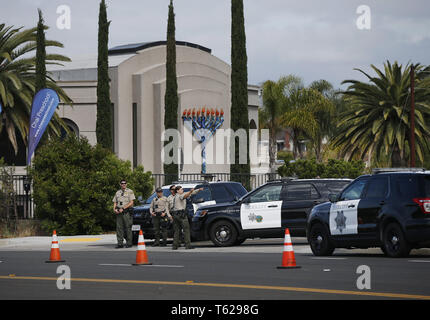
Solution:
(288, 247)
(55, 246)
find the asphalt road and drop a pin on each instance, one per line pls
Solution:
(98, 271)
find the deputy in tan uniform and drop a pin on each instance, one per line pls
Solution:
(180, 218)
(171, 196)
(123, 202)
(159, 210)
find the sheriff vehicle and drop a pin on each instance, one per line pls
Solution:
(389, 209)
(264, 212)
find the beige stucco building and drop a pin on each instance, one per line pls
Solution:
(138, 83)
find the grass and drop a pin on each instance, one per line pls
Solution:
(20, 228)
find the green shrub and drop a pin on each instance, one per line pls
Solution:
(74, 184)
(308, 169)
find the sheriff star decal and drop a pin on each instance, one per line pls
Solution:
(340, 221)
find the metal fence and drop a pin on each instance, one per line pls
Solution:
(23, 197)
(20, 197)
(255, 180)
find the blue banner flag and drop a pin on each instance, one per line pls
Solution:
(44, 104)
(0, 108)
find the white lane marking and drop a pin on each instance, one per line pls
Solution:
(143, 265)
(159, 265)
(328, 258)
(419, 260)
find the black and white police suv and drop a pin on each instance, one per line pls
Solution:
(212, 193)
(264, 212)
(388, 209)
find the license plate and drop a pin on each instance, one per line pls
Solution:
(135, 227)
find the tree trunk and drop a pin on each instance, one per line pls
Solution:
(272, 151)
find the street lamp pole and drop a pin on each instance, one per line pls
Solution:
(412, 134)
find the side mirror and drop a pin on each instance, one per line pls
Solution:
(236, 198)
(333, 197)
(199, 200)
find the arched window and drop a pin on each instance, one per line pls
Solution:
(252, 124)
(73, 127)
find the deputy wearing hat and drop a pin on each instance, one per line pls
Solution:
(180, 218)
(159, 210)
(122, 205)
(172, 190)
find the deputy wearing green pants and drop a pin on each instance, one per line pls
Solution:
(122, 204)
(159, 210)
(180, 218)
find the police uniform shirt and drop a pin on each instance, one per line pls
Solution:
(123, 197)
(159, 205)
(170, 200)
(179, 202)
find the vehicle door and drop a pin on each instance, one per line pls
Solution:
(374, 198)
(344, 213)
(262, 208)
(299, 199)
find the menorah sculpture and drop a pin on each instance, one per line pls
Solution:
(203, 124)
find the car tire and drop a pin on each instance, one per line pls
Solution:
(239, 241)
(394, 243)
(223, 234)
(319, 241)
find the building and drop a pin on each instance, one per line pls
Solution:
(137, 73)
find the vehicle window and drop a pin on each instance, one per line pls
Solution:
(221, 194)
(412, 186)
(301, 191)
(238, 189)
(151, 197)
(378, 188)
(205, 194)
(267, 193)
(354, 191)
(336, 186)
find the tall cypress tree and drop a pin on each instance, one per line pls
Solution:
(239, 89)
(40, 78)
(40, 55)
(104, 109)
(171, 95)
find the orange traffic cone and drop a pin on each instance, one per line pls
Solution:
(55, 250)
(141, 256)
(288, 259)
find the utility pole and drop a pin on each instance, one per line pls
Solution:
(412, 137)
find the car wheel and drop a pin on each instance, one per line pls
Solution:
(319, 240)
(394, 242)
(223, 233)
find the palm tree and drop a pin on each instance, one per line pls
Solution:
(301, 115)
(275, 95)
(325, 118)
(377, 122)
(18, 80)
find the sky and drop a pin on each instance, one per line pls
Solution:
(312, 39)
